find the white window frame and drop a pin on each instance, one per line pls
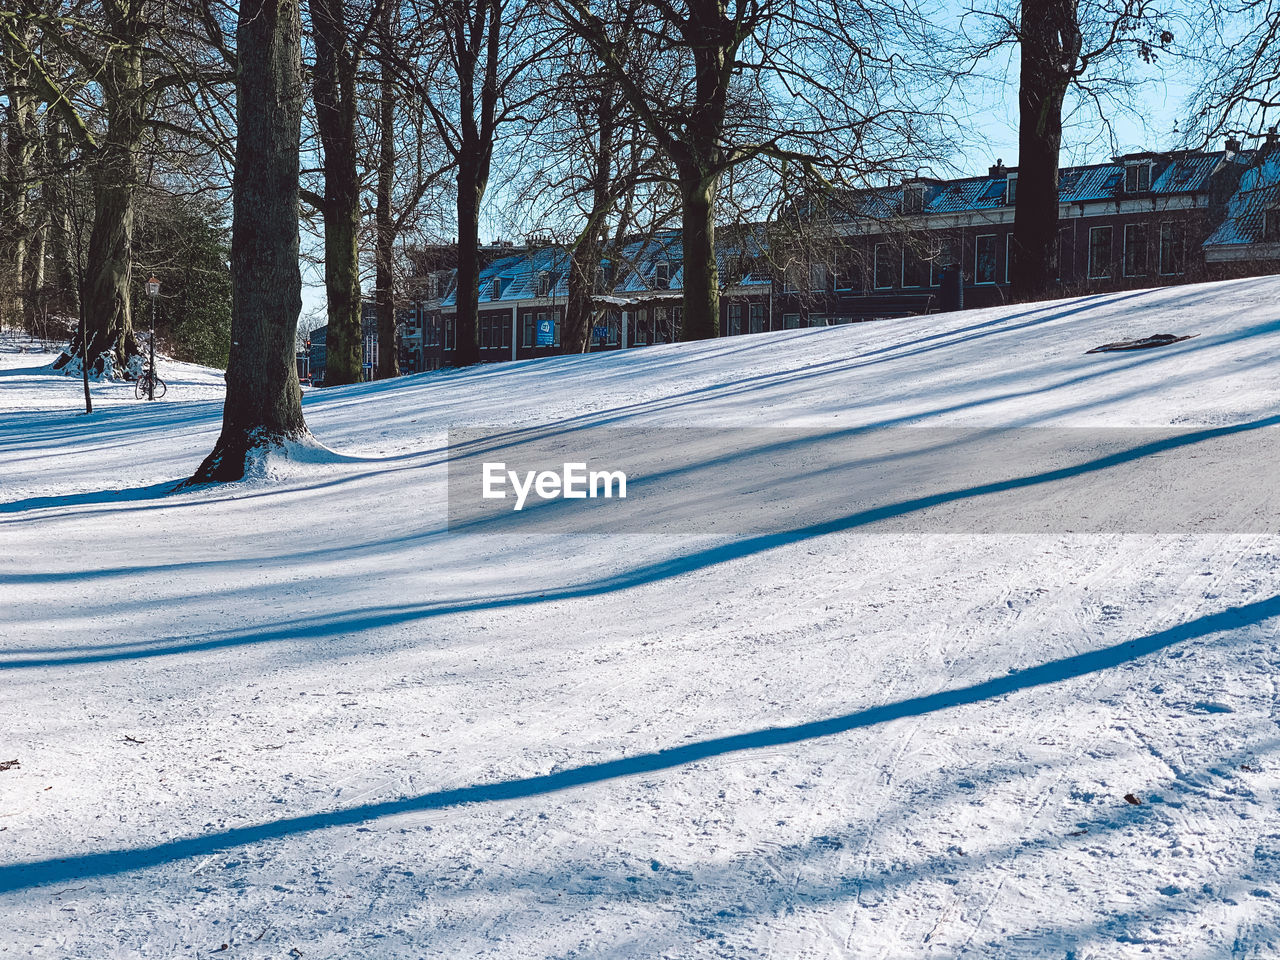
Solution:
(875, 268)
(1124, 260)
(1179, 236)
(1110, 254)
(1137, 168)
(977, 244)
(1011, 189)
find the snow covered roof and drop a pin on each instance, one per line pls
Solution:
(1258, 192)
(1172, 173)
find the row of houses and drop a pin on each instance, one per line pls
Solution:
(1144, 219)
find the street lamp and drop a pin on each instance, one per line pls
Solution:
(153, 289)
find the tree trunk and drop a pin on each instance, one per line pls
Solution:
(108, 320)
(264, 402)
(20, 142)
(335, 100)
(1050, 47)
(701, 277)
(384, 249)
(579, 315)
(468, 290)
(34, 312)
(585, 260)
(54, 191)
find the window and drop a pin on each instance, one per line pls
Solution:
(613, 330)
(1008, 255)
(661, 325)
(817, 277)
(1063, 255)
(789, 281)
(505, 336)
(662, 275)
(1271, 226)
(984, 259)
(527, 330)
(1099, 253)
(757, 318)
(1011, 189)
(1172, 243)
(887, 264)
(1137, 177)
(913, 198)
(944, 258)
(817, 320)
(495, 288)
(450, 334)
(735, 319)
(915, 270)
(846, 280)
(544, 284)
(640, 330)
(1135, 250)
(485, 333)
(790, 321)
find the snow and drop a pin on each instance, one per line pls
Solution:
(300, 714)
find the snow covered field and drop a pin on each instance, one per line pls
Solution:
(298, 717)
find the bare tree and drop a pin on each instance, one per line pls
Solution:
(791, 84)
(1238, 76)
(103, 69)
(263, 406)
(467, 60)
(1063, 45)
(339, 52)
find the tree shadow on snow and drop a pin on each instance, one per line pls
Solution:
(21, 876)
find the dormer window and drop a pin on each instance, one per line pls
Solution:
(544, 284)
(1137, 177)
(1011, 190)
(495, 289)
(913, 198)
(1271, 226)
(662, 275)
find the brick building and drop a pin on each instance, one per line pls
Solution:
(1142, 220)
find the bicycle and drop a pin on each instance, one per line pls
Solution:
(143, 386)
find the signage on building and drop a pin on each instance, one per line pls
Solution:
(546, 333)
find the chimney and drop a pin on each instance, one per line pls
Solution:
(1233, 145)
(998, 168)
(1271, 141)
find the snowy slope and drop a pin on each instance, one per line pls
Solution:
(302, 716)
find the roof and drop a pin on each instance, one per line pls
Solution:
(1259, 191)
(1173, 173)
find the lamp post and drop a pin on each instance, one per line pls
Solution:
(153, 288)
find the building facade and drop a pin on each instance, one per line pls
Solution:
(1142, 220)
